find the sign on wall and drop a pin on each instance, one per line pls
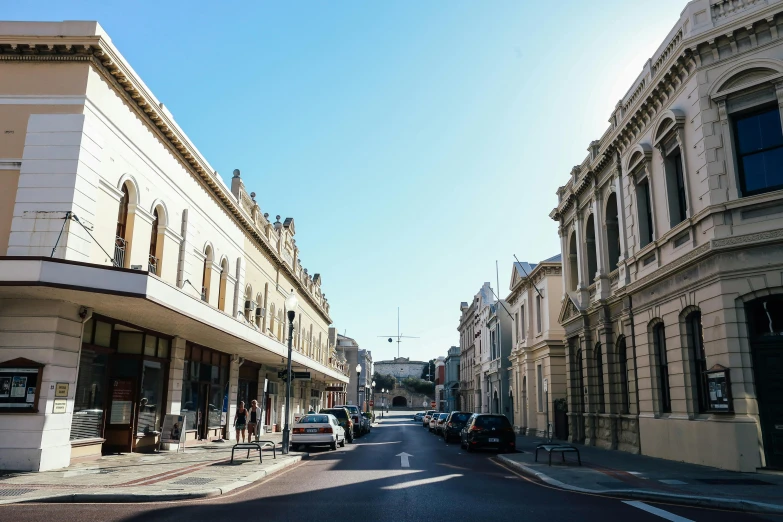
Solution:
(719, 390)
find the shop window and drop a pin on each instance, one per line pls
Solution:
(759, 145)
(152, 401)
(163, 348)
(102, 336)
(89, 401)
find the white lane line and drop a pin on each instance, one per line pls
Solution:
(656, 511)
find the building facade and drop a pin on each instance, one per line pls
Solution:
(538, 356)
(451, 386)
(365, 379)
(400, 368)
(671, 233)
(467, 355)
(135, 283)
(499, 328)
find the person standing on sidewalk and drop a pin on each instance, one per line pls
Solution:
(240, 420)
(255, 420)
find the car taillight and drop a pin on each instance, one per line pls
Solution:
(325, 430)
(449, 425)
(299, 430)
(475, 428)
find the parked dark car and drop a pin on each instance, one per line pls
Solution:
(344, 418)
(454, 424)
(484, 430)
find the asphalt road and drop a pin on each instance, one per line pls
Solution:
(367, 481)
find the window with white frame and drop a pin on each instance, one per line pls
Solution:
(538, 314)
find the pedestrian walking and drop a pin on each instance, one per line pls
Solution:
(240, 420)
(255, 420)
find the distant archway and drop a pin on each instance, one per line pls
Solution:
(399, 402)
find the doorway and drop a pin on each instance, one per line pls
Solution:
(765, 318)
(399, 402)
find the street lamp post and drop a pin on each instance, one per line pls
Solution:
(291, 303)
(372, 398)
(358, 374)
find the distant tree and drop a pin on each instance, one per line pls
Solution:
(430, 368)
(383, 382)
(418, 385)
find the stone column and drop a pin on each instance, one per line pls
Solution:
(603, 288)
(566, 271)
(176, 373)
(233, 388)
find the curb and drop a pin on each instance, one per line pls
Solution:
(733, 504)
(114, 498)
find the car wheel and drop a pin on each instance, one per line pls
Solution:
(342, 443)
(333, 445)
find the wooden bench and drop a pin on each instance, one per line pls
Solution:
(558, 448)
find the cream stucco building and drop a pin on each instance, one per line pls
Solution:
(133, 281)
(672, 232)
(537, 356)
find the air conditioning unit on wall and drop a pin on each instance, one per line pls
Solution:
(260, 312)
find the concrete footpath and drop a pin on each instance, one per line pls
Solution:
(616, 473)
(200, 472)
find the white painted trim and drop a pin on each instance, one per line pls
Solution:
(170, 234)
(42, 99)
(110, 190)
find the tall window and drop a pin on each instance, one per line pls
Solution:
(538, 314)
(540, 390)
(153, 259)
(592, 260)
(522, 328)
(573, 263)
(659, 344)
(622, 355)
(644, 204)
(206, 276)
(599, 374)
(675, 186)
(120, 241)
(612, 231)
(222, 288)
(759, 143)
(698, 360)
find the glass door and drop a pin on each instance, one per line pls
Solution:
(119, 431)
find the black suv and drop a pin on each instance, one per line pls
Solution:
(344, 418)
(454, 424)
(485, 430)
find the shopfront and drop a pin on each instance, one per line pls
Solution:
(248, 389)
(120, 394)
(205, 393)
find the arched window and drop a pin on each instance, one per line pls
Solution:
(573, 264)
(222, 288)
(250, 306)
(622, 356)
(659, 345)
(612, 231)
(698, 360)
(590, 244)
(206, 276)
(599, 375)
(121, 239)
(153, 257)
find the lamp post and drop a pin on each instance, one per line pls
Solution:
(358, 373)
(291, 302)
(383, 401)
(372, 398)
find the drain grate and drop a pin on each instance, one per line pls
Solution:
(193, 481)
(735, 482)
(14, 492)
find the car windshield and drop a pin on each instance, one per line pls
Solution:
(314, 419)
(443, 416)
(492, 422)
(460, 417)
(352, 409)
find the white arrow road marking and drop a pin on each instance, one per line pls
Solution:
(656, 511)
(404, 459)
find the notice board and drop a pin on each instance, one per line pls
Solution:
(20, 384)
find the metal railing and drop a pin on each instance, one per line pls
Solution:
(120, 247)
(153, 265)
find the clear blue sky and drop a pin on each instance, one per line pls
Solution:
(415, 143)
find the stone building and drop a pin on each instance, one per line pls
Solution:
(134, 282)
(451, 385)
(671, 232)
(538, 356)
(467, 354)
(400, 368)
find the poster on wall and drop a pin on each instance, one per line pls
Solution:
(719, 389)
(19, 384)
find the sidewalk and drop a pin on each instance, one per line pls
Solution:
(639, 477)
(200, 472)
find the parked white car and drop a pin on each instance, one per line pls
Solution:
(317, 429)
